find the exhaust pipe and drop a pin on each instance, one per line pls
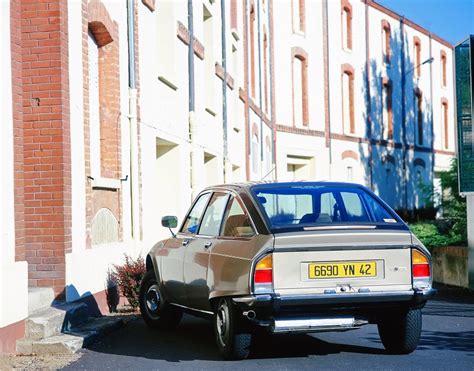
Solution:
(250, 314)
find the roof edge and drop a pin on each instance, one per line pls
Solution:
(374, 4)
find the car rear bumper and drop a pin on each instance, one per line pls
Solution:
(276, 302)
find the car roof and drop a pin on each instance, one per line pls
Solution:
(245, 186)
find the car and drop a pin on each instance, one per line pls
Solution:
(294, 257)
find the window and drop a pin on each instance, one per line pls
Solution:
(346, 21)
(300, 91)
(265, 71)
(255, 153)
(349, 173)
(298, 15)
(191, 223)
(445, 127)
(209, 60)
(443, 68)
(289, 207)
(387, 121)
(419, 116)
(348, 100)
(233, 14)
(417, 52)
(211, 221)
(386, 36)
(236, 222)
(354, 208)
(105, 94)
(94, 104)
(252, 51)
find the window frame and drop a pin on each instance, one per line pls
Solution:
(399, 224)
(191, 209)
(235, 196)
(216, 193)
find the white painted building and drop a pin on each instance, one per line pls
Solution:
(117, 113)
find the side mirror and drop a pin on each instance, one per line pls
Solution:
(169, 221)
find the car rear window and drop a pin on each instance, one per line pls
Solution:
(299, 206)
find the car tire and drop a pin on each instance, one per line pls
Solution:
(232, 340)
(155, 311)
(400, 333)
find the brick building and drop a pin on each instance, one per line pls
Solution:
(116, 113)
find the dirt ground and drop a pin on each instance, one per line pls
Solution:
(37, 362)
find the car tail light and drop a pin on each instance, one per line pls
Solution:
(263, 276)
(421, 269)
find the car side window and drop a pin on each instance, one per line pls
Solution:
(211, 221)
(236, 222)
(191, 224)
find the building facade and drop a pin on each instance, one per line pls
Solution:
(117, 113)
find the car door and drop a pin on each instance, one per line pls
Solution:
(233, 251)
(196, 256)
(172, 259)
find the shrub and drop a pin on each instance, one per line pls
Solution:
(454, 205)
(430, 235)
(128, 277)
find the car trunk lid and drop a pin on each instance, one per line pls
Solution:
(342, 260)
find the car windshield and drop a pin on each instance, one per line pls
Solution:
(289, 206)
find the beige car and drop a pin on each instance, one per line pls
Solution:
(289, 257)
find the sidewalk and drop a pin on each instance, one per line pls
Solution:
(453, 294)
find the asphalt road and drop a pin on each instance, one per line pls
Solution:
(447, 343)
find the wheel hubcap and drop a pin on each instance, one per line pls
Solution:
(222, 323)
(152, 301)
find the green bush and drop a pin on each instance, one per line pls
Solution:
(128, 277)
(430, 236)
(454, 206)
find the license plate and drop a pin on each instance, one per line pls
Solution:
(342, 270)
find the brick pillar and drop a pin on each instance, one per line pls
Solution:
(17, 110)
(46, 135)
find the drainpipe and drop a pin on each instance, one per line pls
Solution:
(326, 51)
(431, 110)
(247, 88)
(132, 118)
(367, 97)
(404, 131)
(192, 126)
(260, 84)
(272, 108)
(226, 168)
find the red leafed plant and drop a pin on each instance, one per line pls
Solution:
(128, 277)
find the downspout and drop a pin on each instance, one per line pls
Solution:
(247, 88)
(327, 85)
(194, 160)
(226, 163)
(132, 117)
(368, 103)
(272, 106)
(404, 134)
(260, 84)
(432, 119)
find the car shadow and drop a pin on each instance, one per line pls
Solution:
(193, 339)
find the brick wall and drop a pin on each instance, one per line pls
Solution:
(16, 55)
(95, 18)
(46, 141)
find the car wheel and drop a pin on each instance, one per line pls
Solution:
(231, 342)
(156, 312)
(400, 333)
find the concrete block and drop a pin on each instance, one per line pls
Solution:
(53, 320)
(39, 298)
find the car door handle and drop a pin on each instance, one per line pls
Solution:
(185, 242)
(207, 245)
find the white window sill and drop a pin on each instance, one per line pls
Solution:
(106, 183)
